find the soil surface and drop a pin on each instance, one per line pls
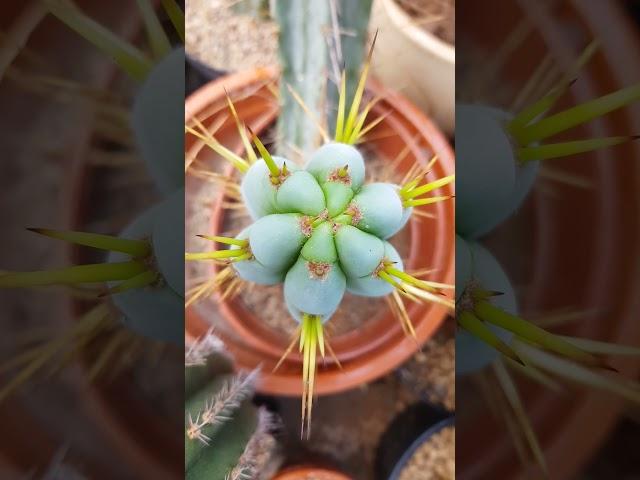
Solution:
(435, 16)
(434, 459)
(248, 41)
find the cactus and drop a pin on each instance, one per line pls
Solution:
(499, 152)
(223, 430)
(316, 39)
(321, 231)
(487, 315)
(143, 273)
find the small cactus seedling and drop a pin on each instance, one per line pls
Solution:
(499, 152)
(224, 432)
(322, 231)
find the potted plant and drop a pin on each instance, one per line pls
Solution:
(371, 349)
(414, 59)
(419, 443)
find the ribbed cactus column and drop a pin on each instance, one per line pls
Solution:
(304, 61)
(353, 22)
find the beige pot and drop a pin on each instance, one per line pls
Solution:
(411, 60)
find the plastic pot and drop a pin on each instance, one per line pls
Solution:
(379, 345)
(415, 62)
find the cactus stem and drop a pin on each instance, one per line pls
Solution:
(242, 130)
(139, 281)
(309, 113)
(128, 57)
(92, 273)
(135, 248)
(226, 240)
(558, 150)
(238, 162)
(534, 334)
(176, 15)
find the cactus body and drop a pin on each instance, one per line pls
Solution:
(330, 157)
(276, 240)
(254, 271)
(380, 209)
(315, 288)
(492, 184)
(258, 191)
(338, 196)
(156, 117)
(300, 193)
(220, 421)
(321, 246)
(372, 285)
(476, 263)
(360, 252)
(156, 311)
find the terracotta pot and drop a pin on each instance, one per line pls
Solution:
(310, 473)
(378, 346)
(571, 249)
(415, 62)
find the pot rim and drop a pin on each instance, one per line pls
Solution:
(302, 472)
(418, 442)
(425, 40)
